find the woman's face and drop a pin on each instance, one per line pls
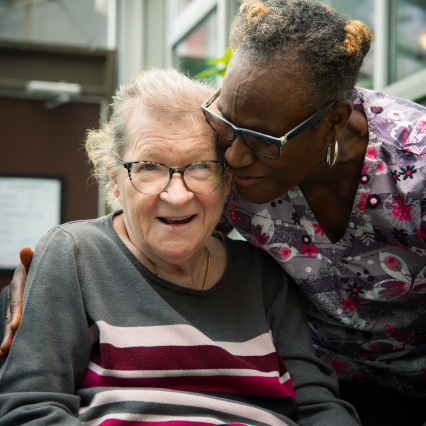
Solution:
(175, 223)
(252, 99)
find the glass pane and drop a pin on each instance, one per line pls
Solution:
(65, 22)
(410, 38)
(191, 55)
(181, 4)
(362, 10)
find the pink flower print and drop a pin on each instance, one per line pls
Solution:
(340, 367)
(350, 303)
(308, 249)
(233, 214)
(375, 346)
(396, 115)
(261, 238)
(285, 253)
(371, 153)
(405, 134)
(363, 202)
(419, 234)
(364, 169)
(400, 210)
(380, 167)
(318, 229)
(391, 262)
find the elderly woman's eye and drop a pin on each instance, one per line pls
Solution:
(200, 166)
(146, 167)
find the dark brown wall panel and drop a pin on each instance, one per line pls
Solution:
(39, 141)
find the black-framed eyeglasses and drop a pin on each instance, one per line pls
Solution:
(264, 145)
(150, 177)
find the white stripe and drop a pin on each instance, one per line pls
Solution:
(178, 398)
(285, 377)
(135, 374)
(179, 335)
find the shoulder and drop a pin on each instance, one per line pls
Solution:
(78, 237)
(84, 229)
(396, 122)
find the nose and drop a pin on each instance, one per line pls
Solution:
(176, 192)
(238, 154)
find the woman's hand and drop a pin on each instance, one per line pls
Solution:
(14, 302)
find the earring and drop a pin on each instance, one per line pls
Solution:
(336, 152)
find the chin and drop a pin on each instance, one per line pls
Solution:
(256, 196)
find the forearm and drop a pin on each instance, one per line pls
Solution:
(3, 313)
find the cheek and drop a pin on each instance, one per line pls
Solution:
(213, 207)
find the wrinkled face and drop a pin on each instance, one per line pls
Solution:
(175, 223)
(252, 98)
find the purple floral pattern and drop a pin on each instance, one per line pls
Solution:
(365, 295)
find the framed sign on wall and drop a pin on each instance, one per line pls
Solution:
(29, 207)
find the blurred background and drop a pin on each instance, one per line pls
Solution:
(61, 60)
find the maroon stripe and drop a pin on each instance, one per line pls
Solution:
(243, 385)
(182, 358)
(117, 422)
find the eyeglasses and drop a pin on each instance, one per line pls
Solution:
(264, 145)
(150, 178)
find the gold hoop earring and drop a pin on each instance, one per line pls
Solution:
(330, 162)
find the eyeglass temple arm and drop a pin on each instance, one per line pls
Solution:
(210, 100)
(310, 121)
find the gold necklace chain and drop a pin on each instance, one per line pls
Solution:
(206, 275)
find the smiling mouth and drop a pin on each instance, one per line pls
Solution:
(176, 220)
(246, 181)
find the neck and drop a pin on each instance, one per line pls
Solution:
(342, 178)
(189, 273)
(183, 276)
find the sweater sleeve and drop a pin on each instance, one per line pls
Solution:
(314, 382)
(52, 346)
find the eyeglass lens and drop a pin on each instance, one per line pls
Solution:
(151, 178)
(257, 143)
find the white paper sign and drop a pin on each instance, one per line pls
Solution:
(29, 207)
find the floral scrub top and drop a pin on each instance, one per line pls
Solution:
(365, 295)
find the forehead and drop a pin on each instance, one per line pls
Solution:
(156, 135)
(256, 97)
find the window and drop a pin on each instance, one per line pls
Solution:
(63, 22)
(198, 30)
(192, 53)
(408, 48)
(362, 11)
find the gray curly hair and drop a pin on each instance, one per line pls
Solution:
(165, 93)
(322, 47)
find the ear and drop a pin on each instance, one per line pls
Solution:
(113, 181)
(339, 118)
(227, 178)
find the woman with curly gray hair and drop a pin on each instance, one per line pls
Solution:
(329, 179)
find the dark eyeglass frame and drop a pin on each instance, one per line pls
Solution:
(128, 165)
(279, 142)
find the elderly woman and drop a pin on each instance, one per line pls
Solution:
(152, 319)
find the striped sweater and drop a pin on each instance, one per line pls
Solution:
(105, 341)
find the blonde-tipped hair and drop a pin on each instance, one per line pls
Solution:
(305, 42)
(163, 93)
